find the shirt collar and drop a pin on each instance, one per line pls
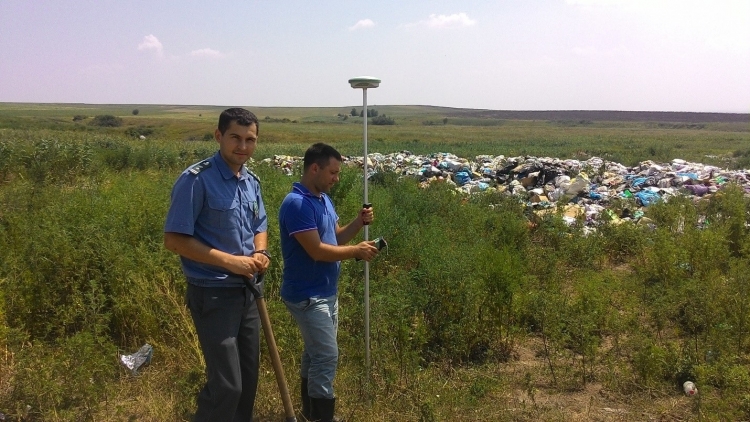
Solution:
(302, 190)
(224, 169)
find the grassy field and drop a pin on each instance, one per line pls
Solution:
(475, 313)
(707, 138)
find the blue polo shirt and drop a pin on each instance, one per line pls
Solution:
(304, 277)
(219, 209)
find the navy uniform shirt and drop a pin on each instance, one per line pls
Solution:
(219, 209)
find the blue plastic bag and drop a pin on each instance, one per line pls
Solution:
(462, 178)
(647, 197)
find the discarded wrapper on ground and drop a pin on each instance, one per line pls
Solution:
(138, 359)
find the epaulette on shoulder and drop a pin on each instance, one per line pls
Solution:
(253, 175)
(199, 167)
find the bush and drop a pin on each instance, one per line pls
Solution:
(6, 159)
(137, 132)
(148, 155)
(270, 119)
(56, 162)
(106, 120)
(382, 120)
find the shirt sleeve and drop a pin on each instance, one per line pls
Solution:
(260, 224)
(299, 216)
(186, 204)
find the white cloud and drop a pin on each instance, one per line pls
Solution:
(151, 43)
(207, 52)
(362, 24)
(456, 20)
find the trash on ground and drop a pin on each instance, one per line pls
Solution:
(136, 360)
(690, 388)
(591, 186)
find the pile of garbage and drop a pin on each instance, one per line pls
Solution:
(585, 187)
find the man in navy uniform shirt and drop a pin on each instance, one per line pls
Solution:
(217, 224)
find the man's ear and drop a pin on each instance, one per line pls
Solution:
(217, 135)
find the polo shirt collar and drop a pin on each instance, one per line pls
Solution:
(302, 190)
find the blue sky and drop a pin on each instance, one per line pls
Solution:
(653, 55)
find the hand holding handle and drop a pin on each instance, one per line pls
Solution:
(366, 206)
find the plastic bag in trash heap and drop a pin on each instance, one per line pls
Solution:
(138, 359)
(462, 178)
(647, 197)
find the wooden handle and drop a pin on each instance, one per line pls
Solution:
(278, 370)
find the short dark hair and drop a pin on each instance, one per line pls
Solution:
(241, 116)
(320, 154)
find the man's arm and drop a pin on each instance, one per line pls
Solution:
(260, 240)
(319, 251)
(193, 249)
(345, 234)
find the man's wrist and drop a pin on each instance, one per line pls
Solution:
(262, 252)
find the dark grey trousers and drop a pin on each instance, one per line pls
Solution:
(228, 327)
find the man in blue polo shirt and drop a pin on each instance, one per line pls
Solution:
(217, 224)
(313, 243)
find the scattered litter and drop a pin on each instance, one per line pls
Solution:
(136, 360)
(690, 388)
(542, 182)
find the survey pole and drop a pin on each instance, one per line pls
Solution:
(365, 82)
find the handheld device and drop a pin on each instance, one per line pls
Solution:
(380, 243)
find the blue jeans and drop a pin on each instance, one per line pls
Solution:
(318, 321)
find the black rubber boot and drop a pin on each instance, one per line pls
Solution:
(322, 409)
(305, 399)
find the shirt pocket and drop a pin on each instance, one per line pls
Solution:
(251, 211)
(249, 206)
(222, 212)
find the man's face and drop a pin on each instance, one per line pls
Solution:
(327, 176)
(237, 144)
